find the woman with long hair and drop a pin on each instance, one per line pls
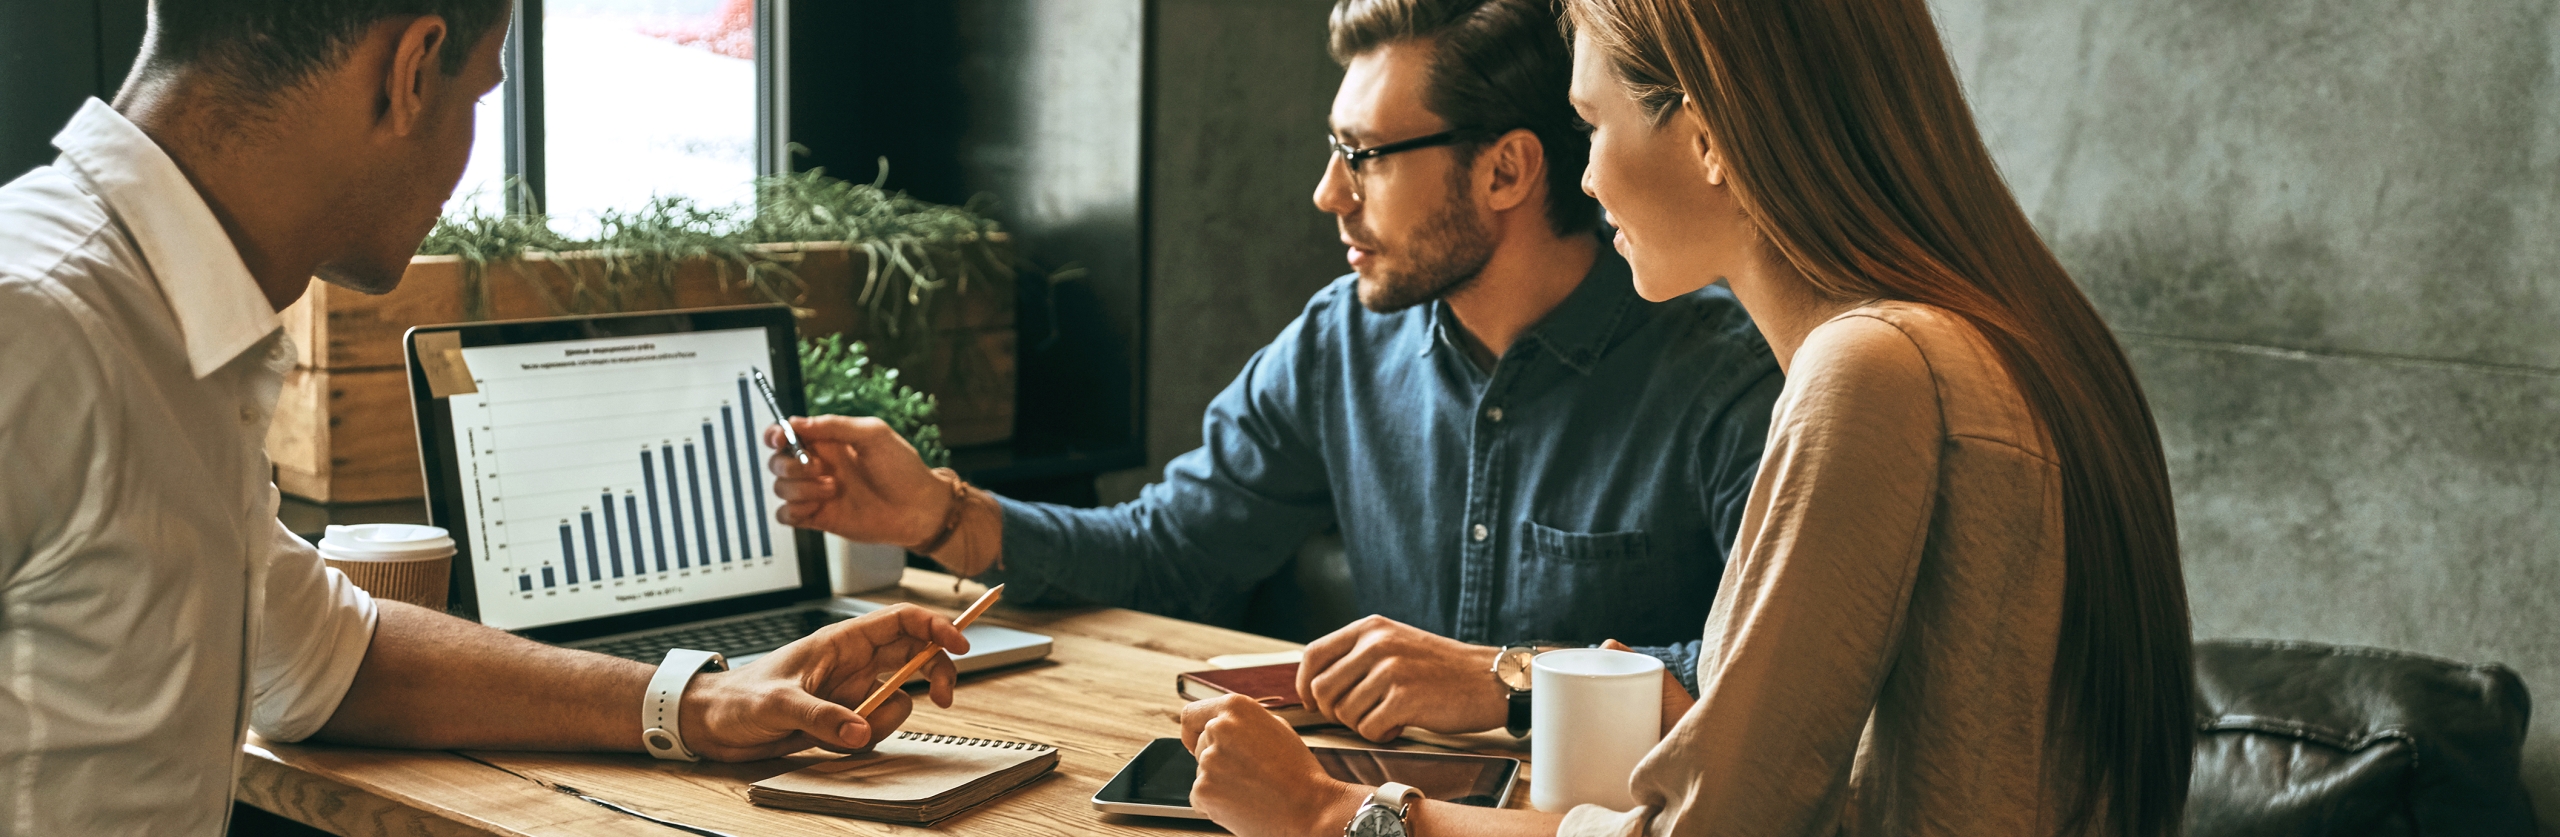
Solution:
(1955, 606)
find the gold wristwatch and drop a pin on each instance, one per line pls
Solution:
(1511, 666)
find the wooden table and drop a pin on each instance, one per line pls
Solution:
(1105, 691)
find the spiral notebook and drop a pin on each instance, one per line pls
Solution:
(912, 777)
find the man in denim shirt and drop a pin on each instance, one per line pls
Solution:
(1516, 448)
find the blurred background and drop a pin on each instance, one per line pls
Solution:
(2328, 234)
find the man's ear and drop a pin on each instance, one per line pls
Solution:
(416, 77)
(1519, 163)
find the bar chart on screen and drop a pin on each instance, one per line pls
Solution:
(607, 476)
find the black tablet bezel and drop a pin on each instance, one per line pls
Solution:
(434, 422)
(1119, 794)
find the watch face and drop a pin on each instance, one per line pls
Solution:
(1375, 820)
(1513, 668)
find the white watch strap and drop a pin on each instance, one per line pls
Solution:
(1398, 796)
(660, 731)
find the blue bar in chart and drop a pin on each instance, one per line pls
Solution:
(693, 480)
(657, 526)
(568, 554)
(675, 500)
(719, 515)
(737, 481)
(524, 582)
(631, 510)
(595, 570)
(612, 536)
(546, 579)
(747, 407)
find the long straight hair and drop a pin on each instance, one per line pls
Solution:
(1852, 152)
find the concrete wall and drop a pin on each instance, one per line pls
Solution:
(1236, 245)
(2329, 234)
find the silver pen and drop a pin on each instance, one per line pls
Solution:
(790, 440)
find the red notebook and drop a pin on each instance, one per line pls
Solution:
(1273, 686)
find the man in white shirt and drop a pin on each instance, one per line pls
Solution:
(152, 610)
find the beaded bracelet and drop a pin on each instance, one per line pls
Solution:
(950, 519)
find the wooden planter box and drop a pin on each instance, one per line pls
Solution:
(344, 431)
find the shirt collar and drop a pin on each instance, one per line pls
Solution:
(1585, 324)
(219, 308)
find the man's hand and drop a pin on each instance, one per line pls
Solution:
(802, 695)
(1256, 776)
(864, 482)
(1378, 676)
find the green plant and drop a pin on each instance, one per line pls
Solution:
(915, 249)
(480, 238)
(843, 381)
(902, 235)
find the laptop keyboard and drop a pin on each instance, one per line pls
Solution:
(731, 639)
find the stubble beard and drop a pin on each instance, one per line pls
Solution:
(1443, 257)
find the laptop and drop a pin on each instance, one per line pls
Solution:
(604, 480)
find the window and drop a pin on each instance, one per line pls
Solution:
(620, 101)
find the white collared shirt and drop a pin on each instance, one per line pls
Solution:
(151, 606)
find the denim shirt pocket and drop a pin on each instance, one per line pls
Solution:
(1618, 549)
(1582, 587)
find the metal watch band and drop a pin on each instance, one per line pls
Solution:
(660, 710)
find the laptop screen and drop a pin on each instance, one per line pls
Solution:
(610, 467)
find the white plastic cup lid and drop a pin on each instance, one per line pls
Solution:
(386, 542)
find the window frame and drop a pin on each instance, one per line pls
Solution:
(524, 135)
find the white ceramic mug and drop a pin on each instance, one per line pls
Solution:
(396, 561)
(1593, 714)
(855, 567)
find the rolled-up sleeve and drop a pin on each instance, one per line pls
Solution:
(318, 625)
(1226, 515)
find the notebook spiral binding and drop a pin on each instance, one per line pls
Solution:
(965, 741)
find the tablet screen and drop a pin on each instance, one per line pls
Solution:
(1162, 774)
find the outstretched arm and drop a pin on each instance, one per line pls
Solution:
(429, 680)
(1225, 516)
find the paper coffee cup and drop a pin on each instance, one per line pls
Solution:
(1593, 713)
(395, 561)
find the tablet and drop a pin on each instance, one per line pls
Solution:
(1158, 782)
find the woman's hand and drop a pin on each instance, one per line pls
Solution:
(1257, 777)
(802, 695)
(1675, 698)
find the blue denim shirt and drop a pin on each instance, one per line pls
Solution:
(1587, 487)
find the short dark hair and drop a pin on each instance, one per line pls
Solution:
(266, 46)
(1497, 65)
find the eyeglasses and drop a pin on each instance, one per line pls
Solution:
(1353, 157)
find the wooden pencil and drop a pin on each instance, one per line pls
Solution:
(881, 695)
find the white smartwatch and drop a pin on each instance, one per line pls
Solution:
(661, 709)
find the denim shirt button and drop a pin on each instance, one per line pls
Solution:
(1494, 415)
(1482, 533)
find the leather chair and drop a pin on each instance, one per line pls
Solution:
(2299, 738)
